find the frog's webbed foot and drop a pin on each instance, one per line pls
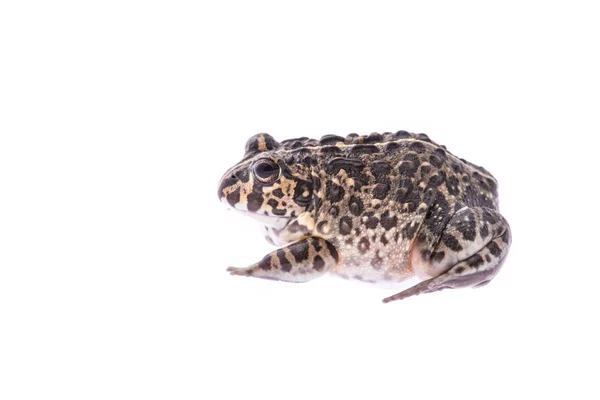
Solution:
(469, 253)
(451, 279)
(300, 261)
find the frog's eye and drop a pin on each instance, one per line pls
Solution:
(266, 171)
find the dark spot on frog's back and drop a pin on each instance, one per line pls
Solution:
(308, 161)
(435, 161)
(411, 156)
(441, 153)
(388, 221)
(351, 138)
(458, 169)
(300, 151)
(430, 195)
(330, 140)
(452, 184)
(407, 195)
(381, 168)
(345, 225)
(296, 144)
(331, 150)
(401, 135)
(380, 191)
(407, 168)
(391, 147)
(334, 211)
(334, 192)
(424, 137)
(409, 230)
(437, 179)
(356, 206)
(364, 149)
(417, 147)
(349, 165)
(374, 138)
(488, 217)
(372, 222)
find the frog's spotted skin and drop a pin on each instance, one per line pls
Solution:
(383, 207)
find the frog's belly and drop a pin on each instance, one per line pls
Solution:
(376, 265)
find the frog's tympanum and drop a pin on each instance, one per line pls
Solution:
(377, 208)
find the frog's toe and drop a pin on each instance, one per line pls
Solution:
(427, 286)
(239, 271)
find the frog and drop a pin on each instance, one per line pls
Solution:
(378, 208)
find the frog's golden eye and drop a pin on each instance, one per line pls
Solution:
(266, 171)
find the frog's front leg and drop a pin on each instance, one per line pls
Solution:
(469, 252)
(300, 261)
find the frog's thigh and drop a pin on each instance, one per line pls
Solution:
(469, 253)
(300, 261)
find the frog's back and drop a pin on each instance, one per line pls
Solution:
(373, 194)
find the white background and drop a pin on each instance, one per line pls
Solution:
(117, 119)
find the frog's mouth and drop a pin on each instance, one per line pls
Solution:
(275, 221)
(269, 220)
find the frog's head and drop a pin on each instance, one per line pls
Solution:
(270, 183)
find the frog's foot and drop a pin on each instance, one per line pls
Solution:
(461, 275)
(469, 253)
(300, 261)
(249, 271)
(239, 271)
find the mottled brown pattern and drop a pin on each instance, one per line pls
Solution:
(382, 207)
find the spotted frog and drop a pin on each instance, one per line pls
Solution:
(377, 208)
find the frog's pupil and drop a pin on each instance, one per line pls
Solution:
(266, 170)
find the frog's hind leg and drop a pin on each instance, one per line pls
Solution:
(300, 261)
(469, 253)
